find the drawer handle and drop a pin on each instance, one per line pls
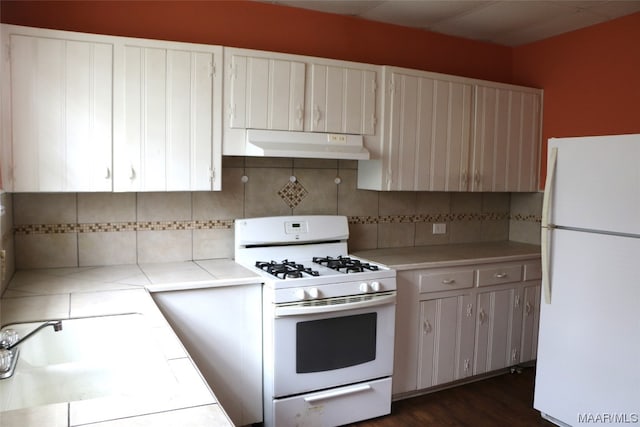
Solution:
(337, 393)
(500, 275)
(448, 281)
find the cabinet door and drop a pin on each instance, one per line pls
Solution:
(514, 354)
(506, 140)
(428, 133)
(493, 323)
(342, 100)
(446, 342)
(61, 103)
(168, 138)
(266, 93)
(530, 321)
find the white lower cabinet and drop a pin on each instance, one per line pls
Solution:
(497, 326)
(461, 321)
(446, 340)
(217, 327)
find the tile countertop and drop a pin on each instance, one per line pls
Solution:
(409, 258)
(64, 293)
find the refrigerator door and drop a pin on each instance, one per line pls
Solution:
(588, 349)
(585, 196)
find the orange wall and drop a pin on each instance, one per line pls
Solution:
(591, 79)
(269, 27)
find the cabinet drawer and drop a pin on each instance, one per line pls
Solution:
(335, 407)
(446, 280)
(500, 274)
(533, 271)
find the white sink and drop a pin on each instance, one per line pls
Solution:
(89, 358)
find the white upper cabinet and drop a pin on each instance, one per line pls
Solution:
(266, 93)
(506, 141)
(275, 91)
(92, 112)
(448, 133)
(167, 128)
(57, 110)
(342, 100)
(426, 131)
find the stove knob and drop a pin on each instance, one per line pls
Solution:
(364, 287)
(375, 286)
(300, 294)
(313, 293)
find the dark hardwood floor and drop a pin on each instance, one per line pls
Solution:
(505, 400)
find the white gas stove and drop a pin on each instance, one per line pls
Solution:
(328, 321)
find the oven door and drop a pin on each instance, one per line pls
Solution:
(333, 342)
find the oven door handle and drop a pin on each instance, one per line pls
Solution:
(337, 393)
(299, 310)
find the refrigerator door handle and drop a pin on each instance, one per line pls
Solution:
(546, 229)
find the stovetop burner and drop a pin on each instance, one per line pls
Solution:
(286, 269)
(345, 264)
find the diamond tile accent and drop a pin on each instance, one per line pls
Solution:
(293, 193)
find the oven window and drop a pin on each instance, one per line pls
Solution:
(337, 342)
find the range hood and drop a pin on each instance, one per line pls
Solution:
(273, 143)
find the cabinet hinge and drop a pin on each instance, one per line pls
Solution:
(7, 49)
(212, 69)
(374, 85)
(392, 87)
(212, 174)
(233, 70)
(232, 112)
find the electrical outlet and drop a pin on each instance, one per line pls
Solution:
(439, 228)
(337, 138)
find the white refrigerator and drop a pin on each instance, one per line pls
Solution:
(588, 367)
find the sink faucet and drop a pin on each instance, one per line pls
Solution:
(9, 350)
(57, 326)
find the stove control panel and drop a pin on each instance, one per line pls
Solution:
(296, 227)
(302, 294)
(366, 287)
(309, 293)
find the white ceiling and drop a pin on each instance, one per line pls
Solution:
(508, 23)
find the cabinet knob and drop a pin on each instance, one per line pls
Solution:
(482, 316)
(316, 115)
(427, 327)
(527, 308)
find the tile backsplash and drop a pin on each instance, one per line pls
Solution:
(87, 229)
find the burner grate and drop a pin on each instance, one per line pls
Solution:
(286, 269)
(345, 264)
